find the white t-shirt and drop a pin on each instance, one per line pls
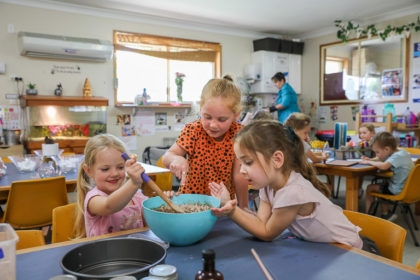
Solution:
(326, 223)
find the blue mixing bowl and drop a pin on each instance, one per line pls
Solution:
(180, 229)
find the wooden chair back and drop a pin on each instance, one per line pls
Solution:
(389, 237)
(29, 238)
(63, 218)
(30, 202)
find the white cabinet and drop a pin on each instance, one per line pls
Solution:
(273, 62)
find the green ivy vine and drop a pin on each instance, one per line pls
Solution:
(349, 29)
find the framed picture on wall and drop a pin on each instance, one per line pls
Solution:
(392, 82)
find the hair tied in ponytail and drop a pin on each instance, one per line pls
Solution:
(291, 133)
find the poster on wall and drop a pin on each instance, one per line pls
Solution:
(145, 123)
(161, 121)
(391, 82)
(179, 122)
(416, 74)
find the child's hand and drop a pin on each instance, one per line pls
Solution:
(325, 156)
(134, 170)
(227, 209)
(364, 162)
(219, 191)
(365, 158)
(179, 165)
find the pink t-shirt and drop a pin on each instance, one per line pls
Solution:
(326, 223)
(128, 218)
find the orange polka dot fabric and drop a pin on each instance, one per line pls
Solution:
(208, 160)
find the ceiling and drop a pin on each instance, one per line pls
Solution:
(254, 18)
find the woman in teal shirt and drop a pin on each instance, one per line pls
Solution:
(286, 103)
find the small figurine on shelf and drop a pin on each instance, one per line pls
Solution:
(87, 91)
(31, 89)
(59, 90)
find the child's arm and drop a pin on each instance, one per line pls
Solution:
(241, 185)
(379, 164)
(116, 201)
(174, 159)
(265, 225)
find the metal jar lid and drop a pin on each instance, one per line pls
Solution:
(164, 270)
(64, 277)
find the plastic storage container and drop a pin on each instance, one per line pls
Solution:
(389, 108)
(8, 239)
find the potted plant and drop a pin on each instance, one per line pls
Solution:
(31, 89)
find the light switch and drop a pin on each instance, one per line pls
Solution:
(2, 68)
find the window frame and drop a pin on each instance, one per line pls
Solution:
(168, 42)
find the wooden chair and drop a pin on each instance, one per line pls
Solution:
(63, 218)
(164, 180)
(389, 237)
(413, 151)
(410, 194)
(30, 202)
(417, 265)
(29, 238)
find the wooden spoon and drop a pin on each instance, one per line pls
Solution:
(156, 188)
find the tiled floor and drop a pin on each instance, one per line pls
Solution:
(411, 252)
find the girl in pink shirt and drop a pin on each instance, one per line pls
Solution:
(291, 196)
(107, 202)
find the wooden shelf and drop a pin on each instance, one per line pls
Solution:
(51, 100)
(161, 105)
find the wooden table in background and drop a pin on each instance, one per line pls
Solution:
(352, 174)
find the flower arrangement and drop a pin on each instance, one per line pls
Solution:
(179, 80)
(347, 29)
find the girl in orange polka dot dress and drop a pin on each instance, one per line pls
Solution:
(203, 152)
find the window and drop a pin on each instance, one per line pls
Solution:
(150, 62)
(336, 64)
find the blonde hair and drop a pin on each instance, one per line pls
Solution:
(369, 127)
(298, 121)
(268, 136)
(93, 146)
(224, 88)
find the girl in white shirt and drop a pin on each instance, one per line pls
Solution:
(273, 160)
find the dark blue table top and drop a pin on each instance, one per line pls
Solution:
(286, 258)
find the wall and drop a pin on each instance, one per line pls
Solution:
(236, 52)
(311, 72)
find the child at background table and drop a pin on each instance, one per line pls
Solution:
(291, 196)
(301, 126)
(207, 144)
(390, 157)
(106, 201)
(366, 133)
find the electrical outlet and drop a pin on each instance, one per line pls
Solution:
(15, 78)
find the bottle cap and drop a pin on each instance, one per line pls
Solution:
(162, 270)
(208, 254)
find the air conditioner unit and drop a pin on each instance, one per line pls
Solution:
(62, 47)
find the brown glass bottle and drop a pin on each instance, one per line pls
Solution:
(208, 272)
